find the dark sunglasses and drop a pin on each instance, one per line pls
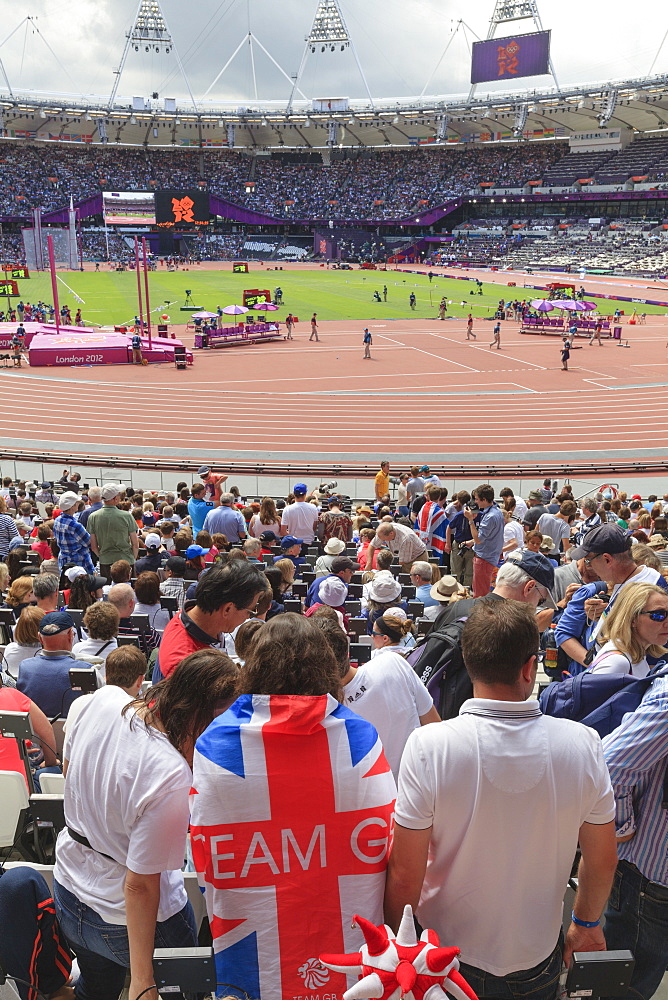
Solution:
(659, 615)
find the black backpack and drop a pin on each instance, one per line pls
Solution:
(438, 662)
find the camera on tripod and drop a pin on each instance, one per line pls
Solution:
(326, 487)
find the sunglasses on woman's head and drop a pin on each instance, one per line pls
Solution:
(659, 615)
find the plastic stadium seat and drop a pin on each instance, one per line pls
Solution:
(14, 798)
(52, 784)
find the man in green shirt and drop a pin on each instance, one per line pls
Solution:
(113, 532)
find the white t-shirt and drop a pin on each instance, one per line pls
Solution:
(256, 527)
(520, 508)
(388, 693)
(514, 530)
(496, 785)
(126, 791)
(611, 661)
(298, 520)
(14, 655)
(97, 648)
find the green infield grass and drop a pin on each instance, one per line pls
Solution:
(111, 297)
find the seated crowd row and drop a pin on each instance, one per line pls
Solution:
(248, 696)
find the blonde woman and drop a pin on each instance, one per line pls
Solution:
(636, 627)
(20, 595)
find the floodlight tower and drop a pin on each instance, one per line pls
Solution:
(328, 31)
(515, 10)
(149, 33)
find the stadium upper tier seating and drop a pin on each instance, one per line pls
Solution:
(381, 185)
(378, 185)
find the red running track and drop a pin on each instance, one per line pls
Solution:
(425, 391)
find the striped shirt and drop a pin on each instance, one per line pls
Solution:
(8, 530)
(636, 754)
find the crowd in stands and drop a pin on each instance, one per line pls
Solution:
(259, 626)
(384, 185)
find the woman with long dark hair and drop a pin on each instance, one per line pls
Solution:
(267, 520)
(290, 813)
(118, 884)
(18, 555)
(86, 589)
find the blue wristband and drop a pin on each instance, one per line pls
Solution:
(584, 923)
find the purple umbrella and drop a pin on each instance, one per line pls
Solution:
(590, 306)
(265, 306)
(569, 304)
(234, 310)
(542, 305)
(203, 315)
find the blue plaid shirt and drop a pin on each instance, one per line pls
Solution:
(73, 542)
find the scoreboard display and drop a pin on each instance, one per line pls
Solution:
(15, 272)
(8, 287)
(254, 296)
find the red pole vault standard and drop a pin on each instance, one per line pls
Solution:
(148, 305)
(141, 310)
(54, 282)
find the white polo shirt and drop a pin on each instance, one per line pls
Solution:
(505, 790)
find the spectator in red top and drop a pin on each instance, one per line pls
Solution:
(366, 534)
(213, 482)
(268, 538)
(225, 597)
(42, 544)
(12, 700)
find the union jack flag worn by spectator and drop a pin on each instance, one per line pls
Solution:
(431, 527)
(290, 817)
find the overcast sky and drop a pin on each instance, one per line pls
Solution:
(399, 44)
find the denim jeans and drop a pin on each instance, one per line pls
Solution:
(637, 919)
(539, 983)
(102, 949)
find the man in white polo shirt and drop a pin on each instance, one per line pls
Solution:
(490, 810)
(300, 518)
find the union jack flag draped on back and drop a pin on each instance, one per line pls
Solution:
(290, 816)
(431, 527)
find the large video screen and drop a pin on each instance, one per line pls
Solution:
(510, 58)
(129, 207)
(182, 209)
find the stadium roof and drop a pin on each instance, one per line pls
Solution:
(641, 106)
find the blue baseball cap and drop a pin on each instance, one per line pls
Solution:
(535, 565)
(300, 488)
(195, 550)
(290, 540)
(55, 622)
(607, 538)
